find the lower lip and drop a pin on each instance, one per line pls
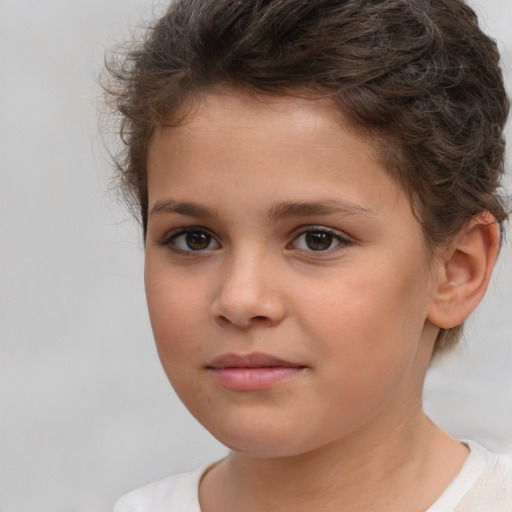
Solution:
(252, 379)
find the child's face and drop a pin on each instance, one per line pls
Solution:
(274, 229)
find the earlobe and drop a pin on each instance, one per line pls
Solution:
(464, 271)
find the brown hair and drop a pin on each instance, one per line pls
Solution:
(418, 76)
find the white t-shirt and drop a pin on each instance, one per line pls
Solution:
(484, 484)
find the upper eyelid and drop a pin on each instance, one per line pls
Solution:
(174, 233)
(335, 232)
(343, 240)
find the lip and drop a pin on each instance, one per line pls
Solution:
(251, 372)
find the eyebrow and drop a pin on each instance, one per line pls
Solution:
(184, 208)
(323, 207)
(276, 211)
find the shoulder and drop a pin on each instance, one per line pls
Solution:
(177, 493)
(484, 484)
(492, 482)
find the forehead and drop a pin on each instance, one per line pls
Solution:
(233, 108)
(227, 120)
(295, 139)
(286, 130)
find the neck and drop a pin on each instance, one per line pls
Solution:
(407, 469)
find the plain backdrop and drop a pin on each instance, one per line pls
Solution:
(86, 413)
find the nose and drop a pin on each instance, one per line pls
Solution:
(247, 294)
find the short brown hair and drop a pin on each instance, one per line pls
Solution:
(417, 76)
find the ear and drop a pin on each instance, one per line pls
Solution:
(464, 270)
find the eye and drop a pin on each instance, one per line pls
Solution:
(191, 240)
(318, 240)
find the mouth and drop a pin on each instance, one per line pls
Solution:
(251, 372)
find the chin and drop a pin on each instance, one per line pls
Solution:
(262, 448)
(262, 441)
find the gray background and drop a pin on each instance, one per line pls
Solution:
(85, 410)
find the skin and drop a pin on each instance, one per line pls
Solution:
(347, 431)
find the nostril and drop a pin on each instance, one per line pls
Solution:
(222, 320)
(246, 310)
(254, 320)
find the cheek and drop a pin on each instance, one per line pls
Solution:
(177, 313)
(359, 306)
(174, 312)
(175, 308)
(369, 321)
(366, 346)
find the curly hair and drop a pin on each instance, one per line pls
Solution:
(418, 77)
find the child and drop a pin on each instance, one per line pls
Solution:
(317, 182)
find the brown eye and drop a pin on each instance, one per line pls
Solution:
(318, 241)
(198, 240)
(193, 240)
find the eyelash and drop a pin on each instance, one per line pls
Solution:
(343, 241)
(170, 240)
